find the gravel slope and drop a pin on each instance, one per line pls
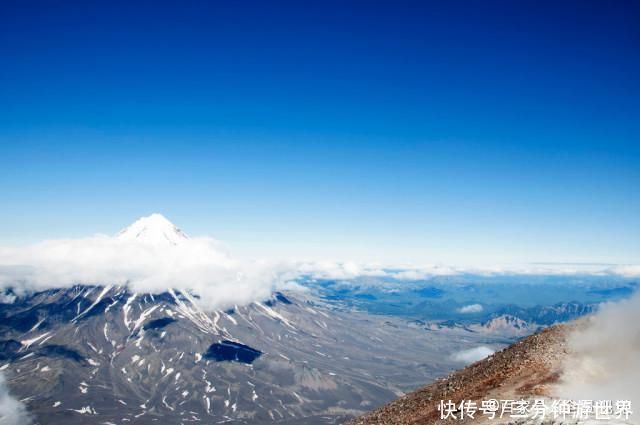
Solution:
(525, 369)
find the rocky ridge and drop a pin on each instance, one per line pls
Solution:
(523, 370)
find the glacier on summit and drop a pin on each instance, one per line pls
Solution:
(155, 230)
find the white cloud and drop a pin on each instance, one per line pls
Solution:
(339, 270)
(472, 355)
(12, 411)
(200, 265)
(471, 308)
(626, 271)
(424, 272)
(153, 255)
(604, 360)
(351, 270)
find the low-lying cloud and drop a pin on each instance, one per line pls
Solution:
(352, 270)
(339, 270)
(12, 411)
(153, 255)
(604, 363)
(200, 265)
(471, 308)
(473, 354)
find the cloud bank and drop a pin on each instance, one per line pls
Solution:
(12, 411)
(605, 356)
(471, 308)
(350, 270)
(199, 265)
(338, 270)
(153, 255)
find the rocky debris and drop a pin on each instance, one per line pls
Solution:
(525, 369)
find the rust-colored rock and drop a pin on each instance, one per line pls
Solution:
(527, 368)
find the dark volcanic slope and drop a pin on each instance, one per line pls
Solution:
(526, 368)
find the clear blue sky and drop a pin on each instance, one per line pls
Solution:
(457, 132)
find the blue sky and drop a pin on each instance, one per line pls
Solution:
(465, 133)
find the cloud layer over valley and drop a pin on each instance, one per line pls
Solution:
(153, 255)
(603, 364)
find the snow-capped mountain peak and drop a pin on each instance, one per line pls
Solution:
(154, 229)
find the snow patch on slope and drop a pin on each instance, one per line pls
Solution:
(155, 230)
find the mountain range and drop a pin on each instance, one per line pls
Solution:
(104, 353)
